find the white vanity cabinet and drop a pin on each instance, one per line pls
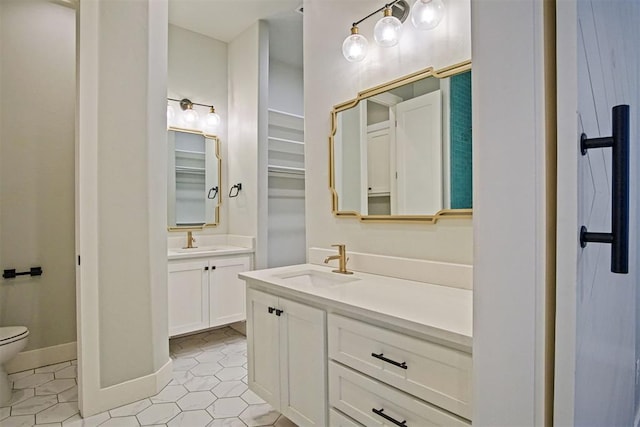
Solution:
(376, 373)
(286, 348)
(188, 295)
(359, 350)
(206, 292)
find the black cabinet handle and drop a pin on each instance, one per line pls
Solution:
(619, 236)
(271, 310)
(380, 356)
(279, 312)
(206, 268)
(381, 413)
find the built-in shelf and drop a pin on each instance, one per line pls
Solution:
(190, 170)
(283, 145)
(286, 120)
(286, 171)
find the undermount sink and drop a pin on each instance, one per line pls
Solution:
(198, 249)
(316, 278)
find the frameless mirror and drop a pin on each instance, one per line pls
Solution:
(194, 179)
(402, 150)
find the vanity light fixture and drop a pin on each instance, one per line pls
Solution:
(425, 15)
(191, 116)
(213, 119)
(387, 30)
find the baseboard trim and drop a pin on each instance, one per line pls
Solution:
(240, 327)
(129, 391)
(39, 357)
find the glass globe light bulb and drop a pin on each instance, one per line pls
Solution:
(387, 30)
(427, 14)
(190, 115)
(354, 47)
(213, 119)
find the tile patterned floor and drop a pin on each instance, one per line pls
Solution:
(209, 388)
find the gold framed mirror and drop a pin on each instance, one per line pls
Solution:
(401, 151)
(194, 180)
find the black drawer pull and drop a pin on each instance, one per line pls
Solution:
(380, 356)
(279, 312)
(388, 418)
(271, 310)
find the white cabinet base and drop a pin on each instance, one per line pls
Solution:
(206, 292)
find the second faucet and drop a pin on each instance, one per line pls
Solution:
(342, 257)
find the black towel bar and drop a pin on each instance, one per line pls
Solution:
(11, 273)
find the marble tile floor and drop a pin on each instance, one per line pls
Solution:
(209, 388)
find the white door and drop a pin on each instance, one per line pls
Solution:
(378, 167)
(263, 343)
(303, 363)
(227, 292)
(595, 378)
(188, 296)
(419, 151)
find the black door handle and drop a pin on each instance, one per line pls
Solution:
(619, 236)
(271, 310)
(279, 312)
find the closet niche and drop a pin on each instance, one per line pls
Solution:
(193, 180)
(401, 151)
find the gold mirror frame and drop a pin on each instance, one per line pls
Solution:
(368, 93)
(216, 140)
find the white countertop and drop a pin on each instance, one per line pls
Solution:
(207, 251)
(439, 311)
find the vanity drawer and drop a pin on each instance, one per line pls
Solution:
(373, 403)
(432, 372)
(338, 419)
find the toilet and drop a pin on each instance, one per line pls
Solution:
(12, 340)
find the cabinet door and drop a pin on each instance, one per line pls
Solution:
(303, 363)
(188, 296)
(226, 292)
(378, 167)
(262, 346)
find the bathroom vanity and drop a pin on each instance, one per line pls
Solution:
(204, 289)
(363, 349)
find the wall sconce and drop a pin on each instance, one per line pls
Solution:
(425, 15)
(191, 116)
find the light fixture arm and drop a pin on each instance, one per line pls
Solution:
(386, 6)
(185, 103)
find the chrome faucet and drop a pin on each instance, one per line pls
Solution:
(342, 256)
(190, 240)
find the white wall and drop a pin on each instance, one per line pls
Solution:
(330, 79)
(197, 70)
(121, 199)
(248, 80)
(286, 88)
(509, 213)
(37, 114)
